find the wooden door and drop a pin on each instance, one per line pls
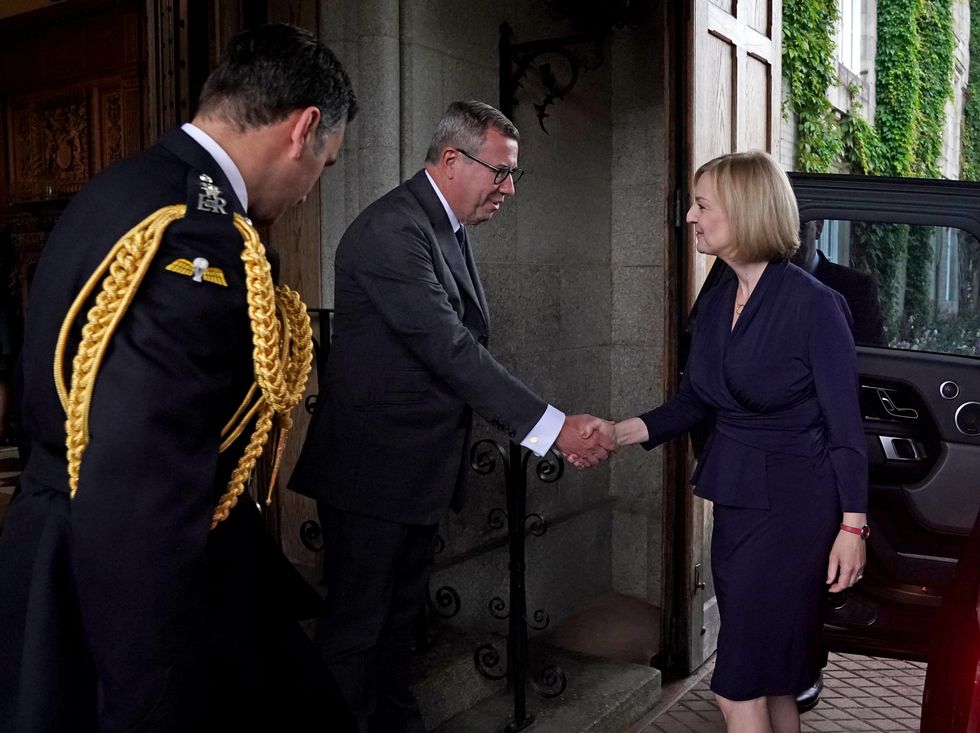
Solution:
(72, 80)
(296, 237)
(734, 92)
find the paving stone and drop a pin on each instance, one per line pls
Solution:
(666, 724)
(907, 723)
(701, 705)
(852, 702)
(861, 695)
(691, 719)
(825, 726)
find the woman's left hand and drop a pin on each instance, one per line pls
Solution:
(846, 564)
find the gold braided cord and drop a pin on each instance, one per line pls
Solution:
(126, 264)
(238, 413)
(282, 350)
(281, 380)
(80, 300)
(233, 433)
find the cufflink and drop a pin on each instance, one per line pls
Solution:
(533, 439)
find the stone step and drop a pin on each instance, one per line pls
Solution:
(600, 696)
(444, 677)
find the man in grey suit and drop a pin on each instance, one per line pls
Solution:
(386, 452)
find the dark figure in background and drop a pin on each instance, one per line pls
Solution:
(858, 288)
(772, 361)
(122, 609)
(386, 453)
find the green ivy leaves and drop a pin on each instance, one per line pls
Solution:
(970, 169)
(809, 68)
(913, 66)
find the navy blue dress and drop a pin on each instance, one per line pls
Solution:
(786, 457)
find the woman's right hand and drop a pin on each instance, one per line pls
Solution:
(630, 431)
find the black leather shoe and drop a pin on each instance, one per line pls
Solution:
(808, 699)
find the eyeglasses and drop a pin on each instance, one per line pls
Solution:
(500, 174)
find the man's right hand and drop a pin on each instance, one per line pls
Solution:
(586, 440)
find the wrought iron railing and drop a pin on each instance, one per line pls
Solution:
(551, 681)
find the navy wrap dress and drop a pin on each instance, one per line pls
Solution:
(786, 458)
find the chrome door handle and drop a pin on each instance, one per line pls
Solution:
(902, 413)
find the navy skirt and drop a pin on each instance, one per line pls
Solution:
(769, 568)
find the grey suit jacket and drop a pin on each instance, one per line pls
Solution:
(408, 364)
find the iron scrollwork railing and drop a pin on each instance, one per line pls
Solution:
(311, 535)
(445, 602)
(551, 682)
(311, 531)
(321, 349)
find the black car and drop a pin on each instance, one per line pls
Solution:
(905, 253)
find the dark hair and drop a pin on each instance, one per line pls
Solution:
(465, 125)
(268, 72)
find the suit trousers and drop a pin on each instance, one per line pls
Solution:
(377, 576)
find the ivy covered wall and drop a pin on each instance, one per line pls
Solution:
(914, 72)
(970, 159)
(913, 63)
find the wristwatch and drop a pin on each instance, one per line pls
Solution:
(864, 531)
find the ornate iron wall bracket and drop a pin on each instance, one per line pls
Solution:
(517, 59)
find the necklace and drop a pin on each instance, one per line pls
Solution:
(738, 308)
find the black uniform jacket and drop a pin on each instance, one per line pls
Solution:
(408, 365)
(119, 609)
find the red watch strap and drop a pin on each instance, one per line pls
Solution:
(862, 531)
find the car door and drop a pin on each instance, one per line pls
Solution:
(911, 250)
(920, 393)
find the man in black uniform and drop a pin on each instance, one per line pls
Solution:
(134, 606)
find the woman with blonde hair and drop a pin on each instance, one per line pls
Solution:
(773, 362)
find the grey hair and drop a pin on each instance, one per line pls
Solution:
(465, 125)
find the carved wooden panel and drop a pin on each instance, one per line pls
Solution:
(50, 145)
(71, 92)
(71, 101)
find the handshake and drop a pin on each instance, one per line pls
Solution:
(586, 441)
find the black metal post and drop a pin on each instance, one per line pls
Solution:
(517, 637)
(484, 457)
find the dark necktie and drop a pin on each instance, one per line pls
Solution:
(464, 247)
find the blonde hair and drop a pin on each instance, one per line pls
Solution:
(759, 201)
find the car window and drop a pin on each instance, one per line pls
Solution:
(908, 286)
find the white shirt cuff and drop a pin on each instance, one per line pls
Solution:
(545, 433)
